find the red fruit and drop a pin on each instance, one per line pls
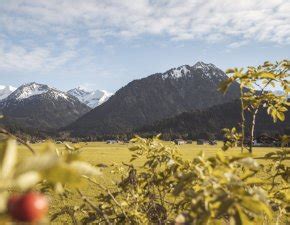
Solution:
(29, 207)
(11, 202)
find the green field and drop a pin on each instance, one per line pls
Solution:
(100, 152)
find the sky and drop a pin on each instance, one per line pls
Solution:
(104, 44)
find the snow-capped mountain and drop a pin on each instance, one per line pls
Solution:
(33, 89)
(90, 98)
(5, 91)
(156, 97)
(36, 105)
(207, 70)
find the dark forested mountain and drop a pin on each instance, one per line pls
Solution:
(210, 122)
(156, 97)
(40, 106)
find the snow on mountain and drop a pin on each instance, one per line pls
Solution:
(5, 91)
(90, 98)
(177, 72)
(32, 89)
(41, 107)
(204, 66)
(105, 96)
(28, 90)
(208, 70)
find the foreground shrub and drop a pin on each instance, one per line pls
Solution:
(167, 189)
(50, 169)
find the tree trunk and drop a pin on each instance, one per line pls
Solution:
(253, 130)
(243, 121)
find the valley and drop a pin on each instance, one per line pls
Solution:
(144, 112)
(101, 153)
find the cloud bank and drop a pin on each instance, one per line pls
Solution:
(33, 31)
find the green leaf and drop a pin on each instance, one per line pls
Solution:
(225, 205)
(255, 180)
(62, 173)
(27, 180)
(280, 116)
(224, 85)
(3, 202)
(243, 218)
(266, 75)
(8, 158)
(256, 206)
(85, 168)
(38, 163)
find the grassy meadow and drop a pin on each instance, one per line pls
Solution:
(100, 152)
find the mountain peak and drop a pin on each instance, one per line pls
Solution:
(200, 65)
(28, 90)
(177, 72)
(33, 89)
(90, 98)
(208, 70)
(78, 91)
(33, 85)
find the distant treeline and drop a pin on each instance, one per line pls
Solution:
(207, 124)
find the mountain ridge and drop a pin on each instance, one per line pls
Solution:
(156, 97)
(90, 98)
(40, 106)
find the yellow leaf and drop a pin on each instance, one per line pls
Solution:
(8, 158)
(280, 115)
(266, 75)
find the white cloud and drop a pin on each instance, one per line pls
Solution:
(37, 59)
(72, 21)
(237, 44)
(71, 43)
(188, 19)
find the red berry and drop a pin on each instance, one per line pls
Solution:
(30, 207)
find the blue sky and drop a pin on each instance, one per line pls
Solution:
(106, 44)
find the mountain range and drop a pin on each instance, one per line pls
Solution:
(40, 106)
(90, 98)
(181, 101)
(156, 97)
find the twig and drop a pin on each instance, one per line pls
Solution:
(110, 194)
(3, 131)
(85, 199)
(65, 210)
